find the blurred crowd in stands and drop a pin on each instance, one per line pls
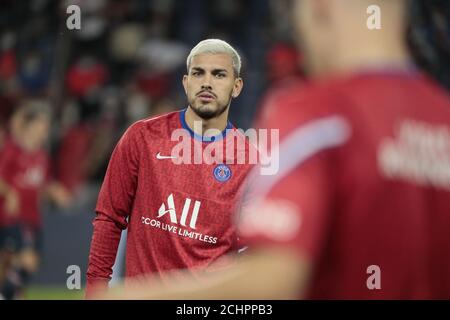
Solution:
(127, 61)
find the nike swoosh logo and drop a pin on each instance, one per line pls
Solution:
(160, 157)
(242, 249)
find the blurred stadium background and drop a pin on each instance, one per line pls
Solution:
(125, 64)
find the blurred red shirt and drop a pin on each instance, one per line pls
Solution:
(27, 173)
(364, 182)
(73, 154)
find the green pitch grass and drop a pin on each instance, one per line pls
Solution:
(53, 293)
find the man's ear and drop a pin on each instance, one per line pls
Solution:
(238, 85)
(185, 79)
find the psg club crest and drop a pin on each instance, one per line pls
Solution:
(222, 173)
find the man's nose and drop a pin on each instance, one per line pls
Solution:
(206, 85)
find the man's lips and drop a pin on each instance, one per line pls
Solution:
(206, 96)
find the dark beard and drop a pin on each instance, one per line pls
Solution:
(210, 114)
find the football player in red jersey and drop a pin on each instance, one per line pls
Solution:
(360, 206)
(178, 213)
(23, 178)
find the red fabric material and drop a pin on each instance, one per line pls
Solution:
(341, 210)
(81, 80)
(74, 151)
(148, 196)
(8, 64)
(27, 173)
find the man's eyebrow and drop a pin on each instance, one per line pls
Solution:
(220, 70)
(198, 69)
(215, 71)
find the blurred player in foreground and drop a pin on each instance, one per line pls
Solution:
(179, 214)
(24, 177)
(360, 207)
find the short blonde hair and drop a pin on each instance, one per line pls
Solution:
(216, 46)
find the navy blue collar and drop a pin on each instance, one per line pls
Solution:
(203, 138)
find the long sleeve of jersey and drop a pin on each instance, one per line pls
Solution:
(113, 207)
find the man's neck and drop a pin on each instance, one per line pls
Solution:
(22, 143)
(374, 57)
(357, 48)
(201, 126)
(365, 61)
